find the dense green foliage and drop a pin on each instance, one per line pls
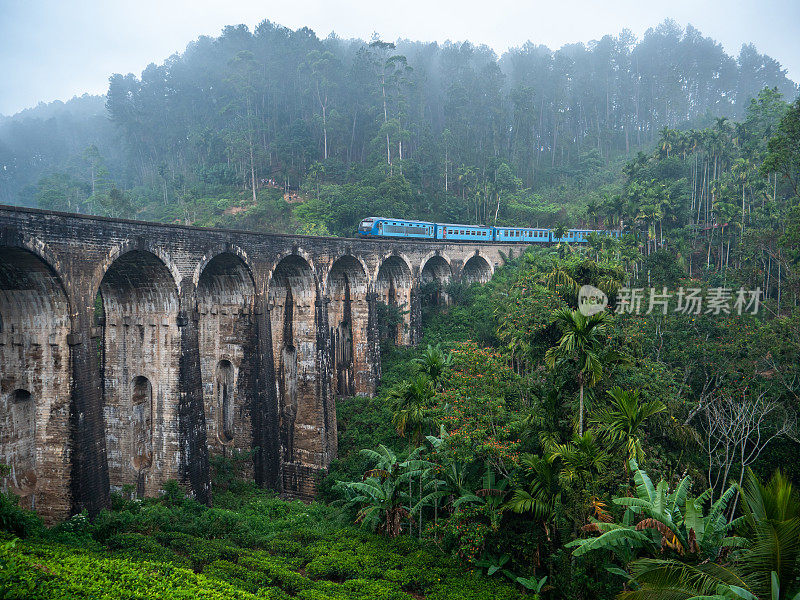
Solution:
(506, 480)
(249, 545)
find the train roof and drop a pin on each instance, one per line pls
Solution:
(515, 227)
(396, 219)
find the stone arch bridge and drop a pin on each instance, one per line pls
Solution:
(130, 352)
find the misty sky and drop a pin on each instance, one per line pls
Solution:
(55, 49)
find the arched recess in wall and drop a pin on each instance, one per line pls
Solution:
(393, 288)
(476, 270)
(228, 345)
(138, 308)
(34, 381)
(434, 278)
(292, 294)
(224, 403)
(347, 315)
(142, 429)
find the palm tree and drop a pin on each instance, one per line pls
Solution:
(542, 490)
(541, 493)
(433, 363)
(410, 403)
(581, 343)
(559, 232)
(662, 579)
(560, 280)
(771, 563)
(593, 210)
(581, 459)
(624, 419)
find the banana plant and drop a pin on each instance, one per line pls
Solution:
(670, 520)
(383, 497)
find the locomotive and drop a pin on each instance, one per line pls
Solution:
(424, 230)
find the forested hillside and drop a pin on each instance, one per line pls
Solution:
(526, 448)
(277, 129)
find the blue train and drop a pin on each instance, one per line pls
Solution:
(424, 230)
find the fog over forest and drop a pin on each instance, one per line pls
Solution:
(285, 107)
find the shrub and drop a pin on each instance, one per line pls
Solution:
(16, 520)
(199, 551)
(283, 576)
(16, 581)
(138, 546)
(244, 578)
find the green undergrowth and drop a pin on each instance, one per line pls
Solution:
(257, 546)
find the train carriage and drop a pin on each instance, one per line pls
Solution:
(401, 228)
(411, 229)
(464, 233)
(524, 235)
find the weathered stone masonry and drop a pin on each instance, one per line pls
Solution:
(130, 351)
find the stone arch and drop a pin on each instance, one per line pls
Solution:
(435, 274)
(292, 298)
(137, 245)
(393, 287)
(35, 380)
(227, 249)
(348, 314)
(226, 294)
(476, 270)
(140, 306)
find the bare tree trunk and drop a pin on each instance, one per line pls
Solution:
(252, 171)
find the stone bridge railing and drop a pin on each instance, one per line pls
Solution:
(130, 351)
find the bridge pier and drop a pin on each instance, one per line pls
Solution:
(89, 481)
(192, 427)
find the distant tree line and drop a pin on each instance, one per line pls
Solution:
(284, 108)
